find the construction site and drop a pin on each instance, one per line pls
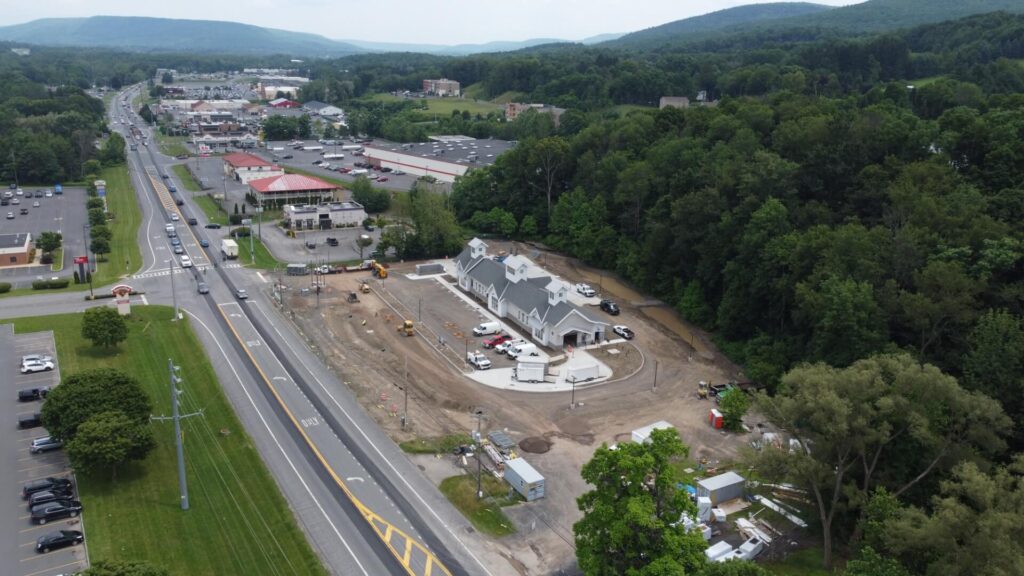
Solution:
(399, 340)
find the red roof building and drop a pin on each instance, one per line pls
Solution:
(283, 103)
(247, 167)
(293, 187)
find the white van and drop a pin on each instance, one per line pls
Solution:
(171, 232)
(487, 328)
(527, 349)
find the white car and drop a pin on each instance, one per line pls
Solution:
(174, 217)
(623, 331)
(586, 290)
(186, 262)
(36, 366)
(36, 358)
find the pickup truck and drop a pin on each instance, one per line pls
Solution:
(478, 360)
(585, 290)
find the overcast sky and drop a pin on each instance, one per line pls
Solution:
(418, 21)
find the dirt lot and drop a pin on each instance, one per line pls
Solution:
(362, 339)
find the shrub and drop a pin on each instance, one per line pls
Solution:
(46, 258)
(242, 232)
(234, 219)
(50, 284)
(5, 287)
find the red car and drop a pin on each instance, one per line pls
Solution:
(495, 340)
(382, 179)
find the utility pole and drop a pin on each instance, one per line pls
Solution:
(654, 387)
(479, 447)
(572, 399)
(405, 389)
(176, 416)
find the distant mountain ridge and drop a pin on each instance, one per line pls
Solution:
(146, 34)
(166, 34)
(871, 16)
(720, 20)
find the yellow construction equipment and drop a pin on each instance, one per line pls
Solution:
(407, 328)
(379, 270)
(364, 287)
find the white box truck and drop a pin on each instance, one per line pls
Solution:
(531, 371)
(229, 248)
(334, 156)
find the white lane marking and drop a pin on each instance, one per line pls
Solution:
(261, 277)
(279, 447)
(144, 301)
(377, 450)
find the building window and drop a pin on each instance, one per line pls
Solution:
(14, 259)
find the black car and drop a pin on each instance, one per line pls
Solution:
(332, 241)
(26, 421)
(287, 156)
(55, 511)
(59, 539)
(43, 484)
(192, 221)
(32, 394)
(49, 496)
(610, 307)
(213, 226)
(179, 202)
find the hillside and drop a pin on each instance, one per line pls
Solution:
(169, 35)
(881, 15)
(451, 50)
(730, 18)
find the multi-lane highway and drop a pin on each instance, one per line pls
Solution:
(365, 508)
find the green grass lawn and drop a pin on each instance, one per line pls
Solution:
(125, 256)
(58, 260)
(171, 145)
(190, 184)
(445, 106)
(435, 444)
(485, 514)
(211, 208)
(238, 522)
(264, 259)
(805, 562)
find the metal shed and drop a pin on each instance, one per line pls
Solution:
(428, 269)
(527, 481)
(721, 488)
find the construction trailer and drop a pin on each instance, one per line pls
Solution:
(581, 373)
(524, 479)
(533, 370)
(642, 435)
(721, 488)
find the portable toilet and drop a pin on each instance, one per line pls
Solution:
(527, 481)
(715, 418)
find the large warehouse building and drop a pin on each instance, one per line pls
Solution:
(444, 158)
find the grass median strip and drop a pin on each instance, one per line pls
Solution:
(212, 210)
(484, 513)
(238, 522)
(187, 181)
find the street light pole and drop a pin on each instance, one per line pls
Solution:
(174, 295)
(479, 447)
(572, 399)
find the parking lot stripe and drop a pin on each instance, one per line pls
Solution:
(75, 563)
(37, 467)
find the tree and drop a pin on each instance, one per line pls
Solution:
(363, 241)
(528, 227)
(871, 563)
(734, 404)
(123, 568)
(49, 241)
(994, 365)
(373, 200)
(84, 394)
(167, 78)
(97, 217)
(100, 246)
(886, 421)
(108, 440)
(113, 151)
(973, 527)
(551, 158)
(104, 326)
(631, 516)
(847, 323)
(733, 568)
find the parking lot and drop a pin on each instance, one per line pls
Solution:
(19, 466)
(64, 213)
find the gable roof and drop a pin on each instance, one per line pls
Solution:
(242, 160)
(465, 258)
(490, 273)
(529, 295)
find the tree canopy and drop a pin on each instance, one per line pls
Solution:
(103, 325)
(108, 440)
(84, 394)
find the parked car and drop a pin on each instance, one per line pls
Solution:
(56, 510)
(382, 179)
(496, 340)
(44, 484)
(32, 395)
(504, 346)
(398, 172)
(623, 331)
(58, 539)
(287, 156)
(45, 444)
(586, 290)
(29, 367)
(10, 215)
(52, 495)
(478, 361)
(610, 307)
(34, 205)
(36, 358)
(28, 421)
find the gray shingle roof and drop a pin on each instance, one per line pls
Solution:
(529, 295)
(489, 273)
(314, 105)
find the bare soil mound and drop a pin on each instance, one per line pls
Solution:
(534, 445)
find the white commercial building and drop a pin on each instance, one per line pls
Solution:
(324, 216)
